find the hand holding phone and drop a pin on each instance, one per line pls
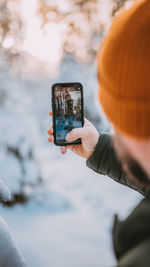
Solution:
(88, 134)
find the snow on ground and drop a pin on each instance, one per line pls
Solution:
(74, 227)
(67, 221)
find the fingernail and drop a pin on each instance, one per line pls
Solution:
(63, 150)
(68, 137)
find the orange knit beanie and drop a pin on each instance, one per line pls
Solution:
(124, 72)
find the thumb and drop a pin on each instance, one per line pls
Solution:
(76, 133)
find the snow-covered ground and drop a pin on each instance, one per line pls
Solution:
(67, 219)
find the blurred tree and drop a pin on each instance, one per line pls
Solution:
(84, 21)
(10, 27)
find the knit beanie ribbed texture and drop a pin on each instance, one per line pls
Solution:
(124, 72)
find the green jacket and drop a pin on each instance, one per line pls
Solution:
(131, 237)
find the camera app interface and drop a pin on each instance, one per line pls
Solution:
(68, 111)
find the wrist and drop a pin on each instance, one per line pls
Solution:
(93, 147)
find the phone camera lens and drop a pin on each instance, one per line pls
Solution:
(76, 86)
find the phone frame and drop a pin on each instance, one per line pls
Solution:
(63, 85)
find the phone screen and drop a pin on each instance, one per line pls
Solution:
(68, 111)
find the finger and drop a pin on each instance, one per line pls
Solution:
(63, 150)
(86, 120)
(51, 139)
(50, 113)
(50, 129)
(87, 123)
(77, 133)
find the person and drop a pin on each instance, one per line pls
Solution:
(124, 93)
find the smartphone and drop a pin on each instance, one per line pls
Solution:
(67, 109)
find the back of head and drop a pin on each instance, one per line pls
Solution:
(124, 72)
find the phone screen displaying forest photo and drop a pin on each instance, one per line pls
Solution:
(68, 111)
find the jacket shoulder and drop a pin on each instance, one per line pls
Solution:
(132, 235)
(139, 256)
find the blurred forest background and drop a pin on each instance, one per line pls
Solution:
(39, 39)
(80, 23)
(42, 42)
(38, 36)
